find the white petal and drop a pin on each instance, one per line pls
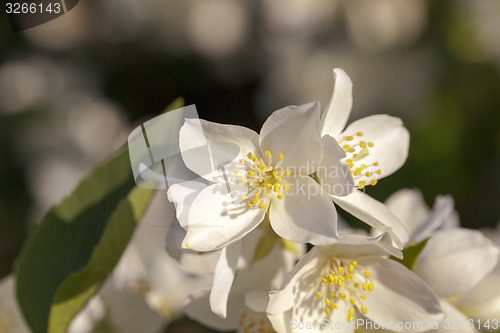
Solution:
(334, 175)
(391, 143)
(198, 308)
(183, 195)
(206, 146)
(400, 296)
(456, 319)
(409, 207)
(305, 214)
(223, 278)
(455, 260)
(216, 221)
(294, 132)
(335, 116)
(356, 246)
(286, 297)
(373, 213)
(442, 214)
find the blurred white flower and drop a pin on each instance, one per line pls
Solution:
(330, 283)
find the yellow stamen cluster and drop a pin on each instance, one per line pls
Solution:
(347, 282)
(255, 323)
(357, 150)
(263, 178)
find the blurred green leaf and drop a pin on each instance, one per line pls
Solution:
(69, 255)
(410, 254)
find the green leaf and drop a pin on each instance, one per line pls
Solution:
(410, 255)
(69, 255)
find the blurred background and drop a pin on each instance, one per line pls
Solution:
(71, 90)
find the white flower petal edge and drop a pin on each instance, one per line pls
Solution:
(334, 117)
(306, 215)
(375, 214)
(223, 278)
(294, 132)
(329, 278)
(453, 261)
(207, 146)
(453, 315)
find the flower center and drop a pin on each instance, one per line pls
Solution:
(252, 322)
(356, 150)
(344, 282)
(262, 179)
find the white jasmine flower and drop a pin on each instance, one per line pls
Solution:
(337, 282)
(375, 147)
(269, 174)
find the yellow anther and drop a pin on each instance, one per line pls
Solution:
(341, 270)
(243, 197)
(357, 173)
(362, 144)
(370, 144)
(331, 277)
(280, 156)
(286, 186)
(250, 155)
(334, 306)
(236, 171)
(349, 138)
(264, 168)
(373, 182)
(335, 278)
(363, 296)
(275, 173)
(365, 286)
(349, 318)
(288, 173)
(351, 165)
(276, 187)
(354, 263)
(268, 153)
(249, 204)
(318, 295)
(367, 274)
(362, 182)
(327, 302)
(332, 294)
(269, 185)
(327, 311)
(353, 300)
(254, 159)
(250, 172)
(349, 160)
(346, 146)
(242, 161)
(325, 280)
(351, 312)
(364, 310)
(359, 134)
(356, 285)
(262, 206)
(342, 278)
(344, 297)
(259, 164)
(355, 155)
(371, 286)
(376, 164)
(378, 172)
(349, 276)
(350, 268)
(280, 196)
(277, 179)
(368, 174)
(339, 284)
(351, 150)
(361, 187)
(255, 200)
